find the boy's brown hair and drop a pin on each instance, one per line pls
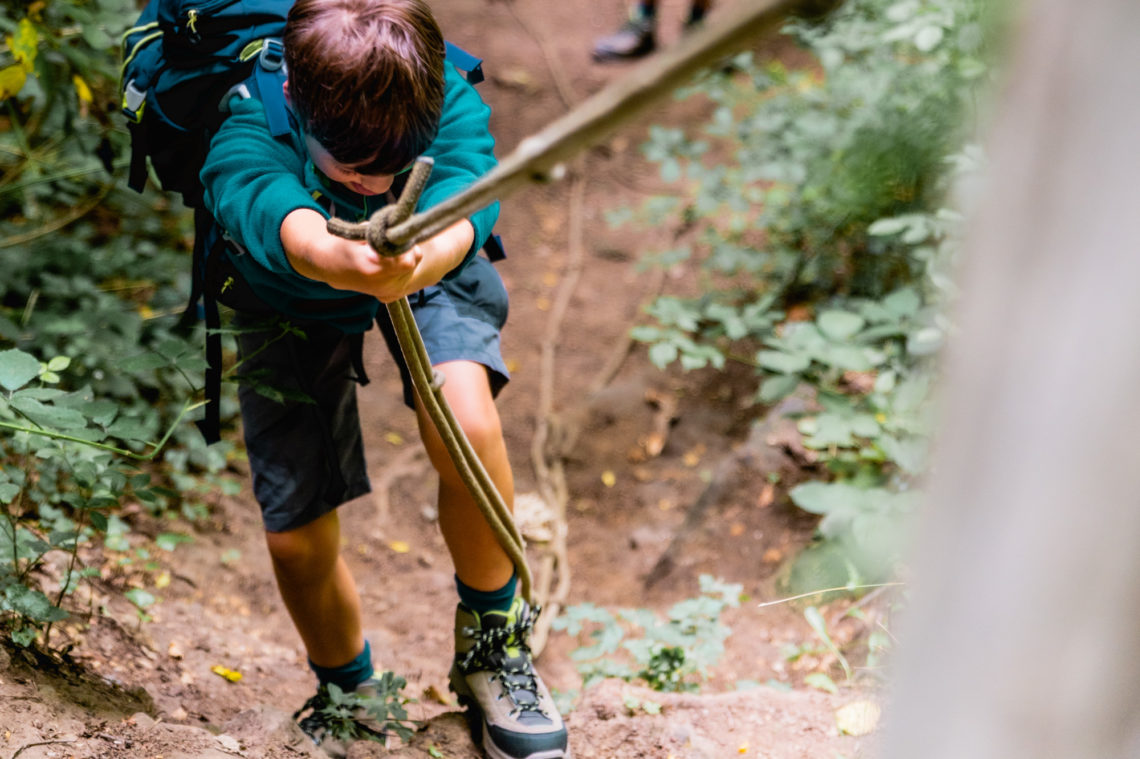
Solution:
(366, 79)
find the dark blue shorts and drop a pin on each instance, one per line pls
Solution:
(298, 391)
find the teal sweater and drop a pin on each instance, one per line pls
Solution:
(252, 181)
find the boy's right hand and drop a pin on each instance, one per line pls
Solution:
(346, 264)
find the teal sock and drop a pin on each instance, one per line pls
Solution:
(346, 676)
(487, 600)
(645, 10)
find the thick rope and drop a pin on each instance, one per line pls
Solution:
(429, 384)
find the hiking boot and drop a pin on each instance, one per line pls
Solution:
(634, 39)
(334, 718)
(509, 709)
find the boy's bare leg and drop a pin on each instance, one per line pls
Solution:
(480, 562)
(318, 590)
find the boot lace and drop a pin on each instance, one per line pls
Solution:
(488, 653)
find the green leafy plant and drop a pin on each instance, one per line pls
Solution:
(94, 277)
(635, 644)
(818, 228)
(341, 710)
(66, 470)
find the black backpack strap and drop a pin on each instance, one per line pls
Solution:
(494, 249)
(356, 345)
(210, 425)
(209, 247)
(136, 179)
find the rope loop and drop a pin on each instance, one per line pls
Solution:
(377, 232)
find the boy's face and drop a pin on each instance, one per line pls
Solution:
(361, 184)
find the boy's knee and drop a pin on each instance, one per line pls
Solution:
(483, 431)
(309, 549)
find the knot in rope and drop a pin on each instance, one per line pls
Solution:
(377, 232)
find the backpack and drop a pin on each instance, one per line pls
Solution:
(182, 62)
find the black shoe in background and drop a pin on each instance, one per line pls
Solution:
(635, 39)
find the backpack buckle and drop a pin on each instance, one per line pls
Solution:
(134, 100)
(239, 90)
(272, 56)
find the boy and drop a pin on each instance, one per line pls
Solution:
(369, 91)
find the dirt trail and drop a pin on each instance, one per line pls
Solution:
(220, 608)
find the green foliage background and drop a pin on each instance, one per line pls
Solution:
(93, 278)
(824, 245)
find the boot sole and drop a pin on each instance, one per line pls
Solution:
(481, 736)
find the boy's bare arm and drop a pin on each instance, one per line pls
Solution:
(351, 265)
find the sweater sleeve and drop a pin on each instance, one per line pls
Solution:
(252, 181)
(463, 150)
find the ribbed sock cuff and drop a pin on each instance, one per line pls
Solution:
(487, 600)
(347, 676)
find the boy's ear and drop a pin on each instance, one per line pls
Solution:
(285, 89)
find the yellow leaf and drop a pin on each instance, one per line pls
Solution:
(82, 89)
(743, 749)
(399, 546)
(393, 437)
(229, 674)
(542, 303)
(36, 9)
(609, 479)
(858, 717)
(12, 81)
(24, 44)
(162, 580)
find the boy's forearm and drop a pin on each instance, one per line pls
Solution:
(303, 234)
(443, 252)
(348, 265)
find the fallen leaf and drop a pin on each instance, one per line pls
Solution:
(550, 279)
(767, 495)
(399, 546)
(743, 749)
(609, 479)
(799, 313)
(435, 694)
(772, 556)
(174, 651)
(736, 530)
(395, 438)
(542, 303)
(162, 580)
(512, 365)
(858, 717)
(225, 672)
(692, 457)
(654, 443)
